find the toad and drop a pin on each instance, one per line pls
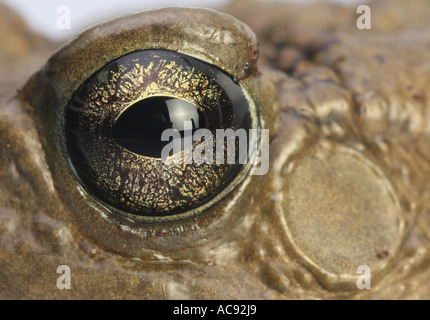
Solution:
(343, 210)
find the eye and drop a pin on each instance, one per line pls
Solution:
(104, 99)
(113, 127)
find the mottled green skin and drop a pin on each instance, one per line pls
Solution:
(347, 185)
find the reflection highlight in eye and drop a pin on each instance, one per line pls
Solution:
(140, 127)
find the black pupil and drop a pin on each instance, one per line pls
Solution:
(140, 127)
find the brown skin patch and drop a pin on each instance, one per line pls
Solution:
(348, 131)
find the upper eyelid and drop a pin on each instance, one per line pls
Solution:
(201, 33)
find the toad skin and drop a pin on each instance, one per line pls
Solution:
(348, 114)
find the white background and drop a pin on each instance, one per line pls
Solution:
(41, 15)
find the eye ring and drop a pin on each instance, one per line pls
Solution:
(86, 146)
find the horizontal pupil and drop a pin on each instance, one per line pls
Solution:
(140, 127)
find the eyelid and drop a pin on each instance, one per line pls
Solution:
(210, 36)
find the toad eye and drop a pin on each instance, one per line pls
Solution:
(114, 124)
(104, 99)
